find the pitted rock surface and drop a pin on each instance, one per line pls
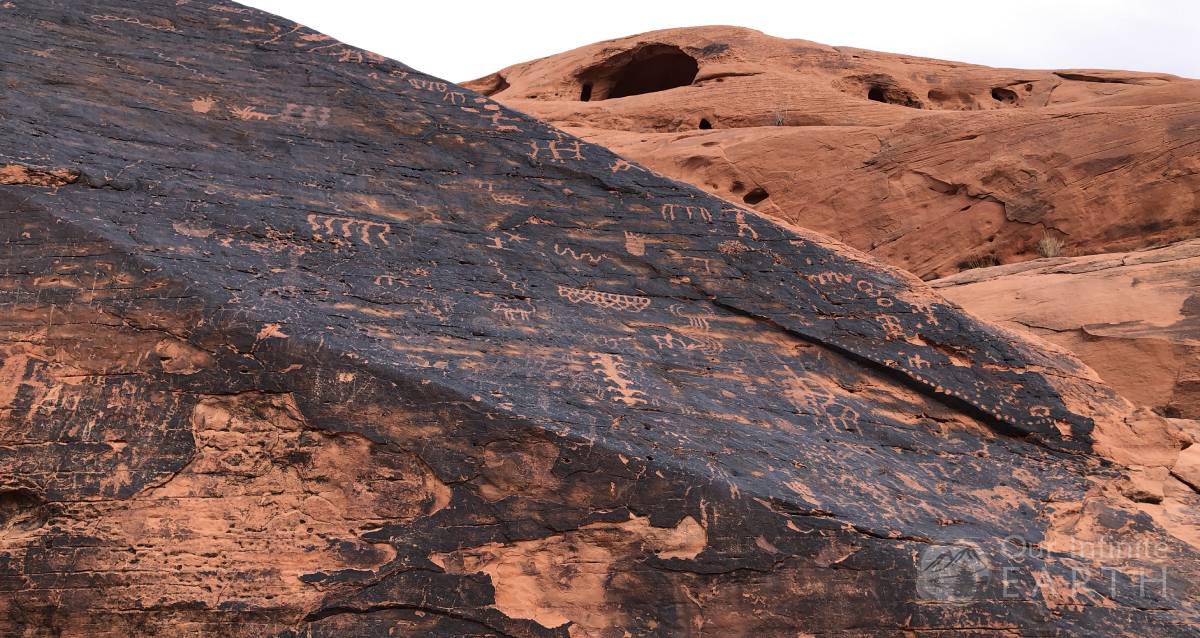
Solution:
(299, 341)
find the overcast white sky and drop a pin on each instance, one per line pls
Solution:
(460, 40)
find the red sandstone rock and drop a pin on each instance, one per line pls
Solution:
(930, 165)
(298, 341)
(1132, 317)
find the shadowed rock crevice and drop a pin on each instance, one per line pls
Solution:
(649, 68)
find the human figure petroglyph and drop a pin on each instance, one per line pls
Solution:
(345, 226)
(572, 150)
(671, 212)
(916, 361)
(616, 374)
(744, 228)
(606, 300)
(585, 256)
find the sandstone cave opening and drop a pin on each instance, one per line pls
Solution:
(1001, 94)
(755, 196)
(646, 69)
(876, 93)
(705, 124)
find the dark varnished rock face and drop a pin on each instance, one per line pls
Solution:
(299, 341)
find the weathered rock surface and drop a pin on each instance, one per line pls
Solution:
(1132, 317)
(930, 165)
(298, 341)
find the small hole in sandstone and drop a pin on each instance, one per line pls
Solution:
(755, 196)
(705, 124)
(585, 95)
(876, 93)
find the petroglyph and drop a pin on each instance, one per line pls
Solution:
(916, 361)
(422, 84)
(585, 256)
(556, 150)
(635, 244)
(616, 374)
(699, 320)
(674, 341)
(303, 114)
(870, 290)
(163, 26)
(204, 104)
(892, 328)
(349, 228)
(621, 165)
(826, 278)
(454, 97)
(809, 396)
(511, 314)
(744, 228)
(700, 264)
(606, 300)
(671, 212)
(250, 113)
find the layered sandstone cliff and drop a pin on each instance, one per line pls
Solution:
(296, 340)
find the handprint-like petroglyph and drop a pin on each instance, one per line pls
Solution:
(616, 374)
(635, 244)
(606, 300)
(346, 227)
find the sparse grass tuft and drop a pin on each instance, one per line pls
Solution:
(1050, 246)
(985, 261)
